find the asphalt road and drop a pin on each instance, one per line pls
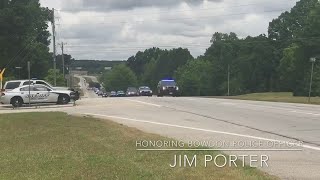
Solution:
(214, 120)
(84, 86)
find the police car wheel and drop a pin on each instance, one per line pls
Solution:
(16, 102)
(63, 99)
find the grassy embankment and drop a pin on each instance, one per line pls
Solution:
(58, 146)
(276, 97)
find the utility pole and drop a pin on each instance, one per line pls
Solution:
(29, 76)
(313, 60)
(228, 79)
(63, 65)
(54, 47)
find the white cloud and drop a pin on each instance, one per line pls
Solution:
(113, 30)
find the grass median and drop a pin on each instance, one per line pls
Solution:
(276, 97)
(59, 146)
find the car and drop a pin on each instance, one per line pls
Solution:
(121, 94)
(145, 91)
(100, 93)
(38, 94)
(10, 85)
(132, 91)
(168, 88)
(105, 94)
(113, 94)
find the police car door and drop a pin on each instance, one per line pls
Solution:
(42, 93)
(25, 94)
(52, 96)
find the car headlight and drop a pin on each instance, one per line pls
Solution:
(151, 92)
(177, 88)
(164, 88)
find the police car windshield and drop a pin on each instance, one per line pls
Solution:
(144, 88)
(168, 83)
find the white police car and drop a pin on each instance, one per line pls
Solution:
(38, 94)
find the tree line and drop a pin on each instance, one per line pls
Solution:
(278, 61)
(24, 37)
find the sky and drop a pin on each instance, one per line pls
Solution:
(118, 29)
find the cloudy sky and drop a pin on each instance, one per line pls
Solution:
(117, 29)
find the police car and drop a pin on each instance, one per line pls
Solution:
(168, 87)
(10, 85)
(38, 94)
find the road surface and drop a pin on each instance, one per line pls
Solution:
(209, 119)
(84, 86)
(205, 119)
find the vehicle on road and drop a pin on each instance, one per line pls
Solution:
(132, 91)
(105, 95)
(100, 93)
(10, 85)
(145, 91)
(113, 94)
(121, 94)
(168, 88)
(38, 94)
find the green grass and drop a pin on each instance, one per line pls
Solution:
(58, 146)
(277, 97)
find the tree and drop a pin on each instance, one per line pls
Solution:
(120, 78)
(60, 79)
(194, 78)
(24, 36)
(155, 64)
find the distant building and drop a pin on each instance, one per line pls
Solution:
(107, 68)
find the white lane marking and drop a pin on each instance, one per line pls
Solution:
(302, 112)
(227, 103)
(207, 130)
(141, 102)
(190, 99)
(259, 107)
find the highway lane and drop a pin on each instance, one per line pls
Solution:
(223, 120)
(84, 86)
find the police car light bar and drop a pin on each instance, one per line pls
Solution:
(168, 80)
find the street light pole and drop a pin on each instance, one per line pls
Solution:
(313, 60)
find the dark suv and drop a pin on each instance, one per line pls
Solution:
(168, 88)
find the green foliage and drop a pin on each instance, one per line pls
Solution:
(50, 78)
(120, 78)
(195, 79)
(93, 66)
(24, 37)
(68, 60)
(155, 64)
